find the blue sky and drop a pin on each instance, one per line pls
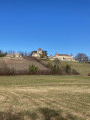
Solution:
(61, 26)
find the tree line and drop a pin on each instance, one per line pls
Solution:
(22, 53)
(81, 57)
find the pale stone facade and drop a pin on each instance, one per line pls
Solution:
(38, 53)
(63, 57)
(13, 55)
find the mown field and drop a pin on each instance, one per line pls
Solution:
(44, 98)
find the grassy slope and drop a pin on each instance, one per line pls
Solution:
(45, 97)
(82, 68)
(23, 64)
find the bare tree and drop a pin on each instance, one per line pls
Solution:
(2, 54)
(22, 53)
(81, 57)
(57, 62)
(10, 51)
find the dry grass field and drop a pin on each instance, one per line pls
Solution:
(45, 98)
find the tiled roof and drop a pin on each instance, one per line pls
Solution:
(63, 54)
(39, 49)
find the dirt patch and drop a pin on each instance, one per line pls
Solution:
(2, 98)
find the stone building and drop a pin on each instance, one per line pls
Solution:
(63, 57)
(37, 53)
(13, 55)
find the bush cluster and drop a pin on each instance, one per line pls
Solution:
(33, 69)
(62, 70)
(68, 69)
(53, 69)
(7, 71)
(88, 74)
(74, 72)
(56, 70)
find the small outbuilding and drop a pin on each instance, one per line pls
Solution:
(13, 55)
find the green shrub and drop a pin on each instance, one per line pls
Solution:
(68, 69)
(33, 69)
(56, 70)
(74, 72)
(49, 65)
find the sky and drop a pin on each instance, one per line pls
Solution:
(61, 26)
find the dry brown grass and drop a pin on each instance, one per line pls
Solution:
(45, 98)
(20, 64)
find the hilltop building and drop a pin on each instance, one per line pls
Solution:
(63, 57)
(37, 53)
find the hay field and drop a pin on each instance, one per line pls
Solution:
(45, 98)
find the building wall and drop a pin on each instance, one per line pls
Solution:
(13, 55)
(35, 55)
(64, 58)
(38, 53)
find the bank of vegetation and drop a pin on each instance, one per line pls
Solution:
(51, 69)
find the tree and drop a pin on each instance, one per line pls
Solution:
(81, 57)
(10, 52)
(57, 62)
(44, 53)
(2, 54)
(22, 53)
(68, 68)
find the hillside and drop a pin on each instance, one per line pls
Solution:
(20, 64)
(82, 68)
